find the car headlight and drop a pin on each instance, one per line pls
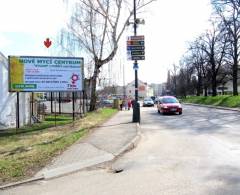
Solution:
(165, 107)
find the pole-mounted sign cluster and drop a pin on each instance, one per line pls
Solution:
(136, 47)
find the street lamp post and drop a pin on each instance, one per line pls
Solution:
(136, 106)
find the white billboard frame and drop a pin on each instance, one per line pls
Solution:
(45, 74)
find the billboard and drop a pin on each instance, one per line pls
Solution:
(42, 74)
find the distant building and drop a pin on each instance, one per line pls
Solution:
(158, 89)
(143, 89)
(227, 88)
(8, 100)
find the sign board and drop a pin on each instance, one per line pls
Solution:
(137, 58)
(136, 48)
(131, 47)
(137, 37)
(42, 74)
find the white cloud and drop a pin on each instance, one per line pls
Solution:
(36, 16)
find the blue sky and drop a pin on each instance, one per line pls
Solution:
(170, 24)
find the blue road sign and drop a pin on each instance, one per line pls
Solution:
(138, 57)
(131, 47)
(135, 66)
(136, 48)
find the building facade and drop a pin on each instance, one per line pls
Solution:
(143, 90)
(8, 100)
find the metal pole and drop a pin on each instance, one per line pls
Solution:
(32, 104)
(84, 104)
(18, 117)
(59, 101)
(136, 106)
(73, 106)
(51, 97)
(55, 108)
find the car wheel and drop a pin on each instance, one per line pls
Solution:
(180, 113)
(159, 112)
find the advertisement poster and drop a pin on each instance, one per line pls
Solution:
(42, 74)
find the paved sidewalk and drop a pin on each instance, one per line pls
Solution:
(103, 144)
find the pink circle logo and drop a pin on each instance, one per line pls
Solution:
(74, 78)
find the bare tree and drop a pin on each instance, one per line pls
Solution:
(185, 81)
(97, 26)
(174, 78)
(229, 11)
(214, 44)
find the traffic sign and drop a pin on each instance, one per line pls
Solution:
(136, 47)
(135, 66)
(135, 42)
(132, 47)
(140, 37)
(137, 53)
(138, 58)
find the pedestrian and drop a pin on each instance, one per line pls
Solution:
(124, 104)
(129, 104)
(121, 104)
(132, 102)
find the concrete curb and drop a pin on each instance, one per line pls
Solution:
(216, 107)
(133, 143)
(68, 169)
(21, 182)
(71, 168)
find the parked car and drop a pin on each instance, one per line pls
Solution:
(169, 104)
(107, 103)
(148, 102)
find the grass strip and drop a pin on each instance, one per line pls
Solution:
(224, 100)
(23, 154)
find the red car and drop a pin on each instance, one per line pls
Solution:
(169, 104)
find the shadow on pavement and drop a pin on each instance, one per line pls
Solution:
(228, 177)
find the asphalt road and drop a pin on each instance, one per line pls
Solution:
(197, 153)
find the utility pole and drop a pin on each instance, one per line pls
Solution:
(136, 106)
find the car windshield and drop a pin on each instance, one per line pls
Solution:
(147, 99)
(169, 100)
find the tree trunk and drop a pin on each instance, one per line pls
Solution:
(205, 91)
(93, 100)
(235, 79)
(214, 86)
(199, 85)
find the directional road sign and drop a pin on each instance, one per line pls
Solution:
(136, 47)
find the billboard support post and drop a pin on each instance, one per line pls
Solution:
(73, 105)
(83, 95)
(32, 99)
(51, 98)
(55, 108)
(17, 113)
(59, 101)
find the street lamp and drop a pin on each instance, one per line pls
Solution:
(136, 106)
(136, 52)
